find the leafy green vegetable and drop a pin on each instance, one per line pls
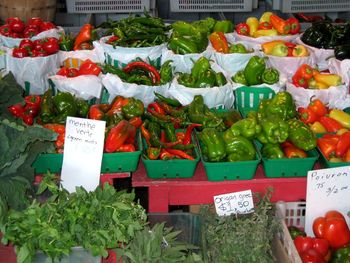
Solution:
(241, 238)
(158, 245)
(94, 220)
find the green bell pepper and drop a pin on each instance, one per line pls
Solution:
(239, 148)
(134, 108)
(214, 144)
(205, 25)
(341, 255)
(201, 40)
(183, 28)
(270, 76)
(166, 72)
(301, 135)
(275, 130)
(248, 128)
(239, 78)
(254, 69)
(207, 79)
(182, 45)
(272, 151)
(199, 67)
(224, 26)
(186, 80)
(83, 107)
(220, 79)
(238, 48)
(64, 105)
(46, 108)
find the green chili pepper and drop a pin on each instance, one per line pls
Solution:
(166, 72)
(272, 151)
(214, 144)
(181, 45)
(270, 76)
(140, 79)
(254, 70)
(65, 105)
(224, 26)
(107, 68)
(239, 148)
(275, 130)
(301, 135)
(220, 79)
(113, 119)
(248, 128)
(239, 78)
(83, 107)
(170, 132)
(46, 107)
(238, 48)
(186, 79)
(200, 67)
(206, 79)
(66, 42)
(169, 101)
(134, 108)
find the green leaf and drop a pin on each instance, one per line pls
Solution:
(24, 254)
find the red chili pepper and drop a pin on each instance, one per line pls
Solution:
(146, 67)
(84, 35)
(180, 136)
(155, 107)
(294, 25)
(162, 136)
(327, 147)
(97, 111)
(307, 116)
(126, 148)
(33, 100)
(89, 68)
(153, 153)
(242, 29)
(112, 39)
(166, 155)
(330, 124)
(145, 133)
(343, 144)
(136, 121)
(309, 18)
(318, 107)
(179, 153)
(294, 152)
(187, 139)
(16, 110)
(117, 136)
(219, 42)
(58, 128)
(117, 104)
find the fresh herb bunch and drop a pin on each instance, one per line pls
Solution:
(94, 220)
(241, 238)
(158, 245)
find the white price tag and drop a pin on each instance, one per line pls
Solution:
(83, 151)
(327, 189)
(234, 203)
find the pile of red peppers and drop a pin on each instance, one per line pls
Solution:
(28, 111)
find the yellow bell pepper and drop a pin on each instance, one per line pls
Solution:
(341, 116)
(328, 79)
(300, 51)
(253, 24)
(265, 17)
(317, 127)
(265, 33)
(268, 46)
(342, 131)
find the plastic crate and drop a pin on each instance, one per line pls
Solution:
(248, 98)
(107, 6)
(314, 6)
(292, 214)
(211, 5)
(111, 162)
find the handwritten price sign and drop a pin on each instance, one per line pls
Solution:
(234, 203)
(327, 189)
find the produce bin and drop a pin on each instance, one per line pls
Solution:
(107, 6)
(111, 162)
(248, 98)
(211, 5)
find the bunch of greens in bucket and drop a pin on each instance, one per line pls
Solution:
(256, 73)
(242, 237)
(94, 220)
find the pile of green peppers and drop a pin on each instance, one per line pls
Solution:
(188, 38)
(274, 123)
(202, 76)
(55, 109)
(256, 73)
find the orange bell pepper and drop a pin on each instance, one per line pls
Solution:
(219, 42)
(328, 79)
(281, 25)
(268, 46)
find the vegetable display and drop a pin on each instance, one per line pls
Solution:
(87, 67)
(280, 48)
(219, 42)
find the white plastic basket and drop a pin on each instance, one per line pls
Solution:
(107, 6)
(211, 5)
(313, 6)
(292, 214)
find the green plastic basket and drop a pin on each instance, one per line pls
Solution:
(111, 162)
(248, 98)
(289, 167)
(221, 171)
(174, 168)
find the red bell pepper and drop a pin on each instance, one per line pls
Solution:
(343, 144)
(327, 147)
(242, 29)
(89, 68)
(318, 107)
(294, 25)
(84, 35)
(294, 152)
(16, 110)
(33, 100)
(330, 124)
(332, 227)
(219, 42)
(155, 75)
(307, 116)
(117, 136)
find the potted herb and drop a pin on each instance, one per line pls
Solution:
(94, 221)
